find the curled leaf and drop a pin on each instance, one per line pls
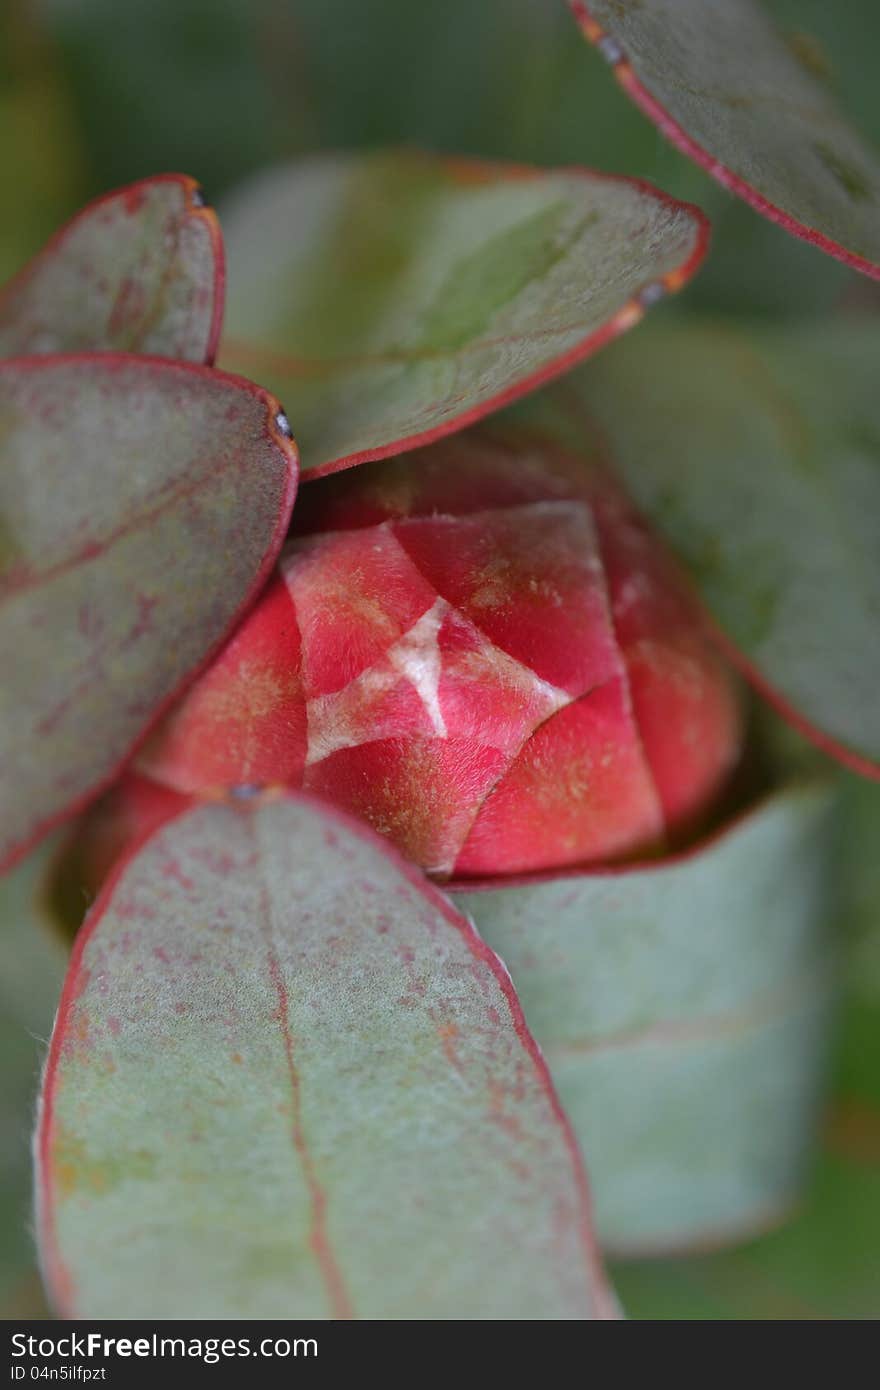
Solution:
(288, 1080)
(722, 84)
(142, 504)
(391, 299)
(138, 270)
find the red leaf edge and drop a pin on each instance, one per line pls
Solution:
(194, 208)
(58, 1278)
(289, 450)
(826, 743)
(679, 137)
(626, 317)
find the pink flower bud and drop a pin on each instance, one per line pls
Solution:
(481, 650)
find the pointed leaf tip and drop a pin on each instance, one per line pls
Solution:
(142, 505)
(392, 299)
(720, 82)
(289, 1080)
(140, 269)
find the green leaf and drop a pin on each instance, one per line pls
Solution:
(757, 453)
(139, 270)
(142, 504)
(683, 1009)
(32, 963)
(726, 88)
(288, 1080)
(394, 298)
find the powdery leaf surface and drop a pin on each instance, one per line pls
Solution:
(138, 270)
(287, 1081)
(720, 82)
(390, 299)
(684, 1009)
(142, 504)
(757, 453)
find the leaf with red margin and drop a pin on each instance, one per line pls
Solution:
(391, 299)
(755, 451)
(142, 505)
(288, 1080)
(138, 270)
(720, 82)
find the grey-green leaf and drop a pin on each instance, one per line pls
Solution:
(757, 453)
(721, 82)
(142, 504)
(138, 270)
(683, 1009)
(390, 299)
(287, 1081)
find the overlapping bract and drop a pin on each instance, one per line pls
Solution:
(481, 651)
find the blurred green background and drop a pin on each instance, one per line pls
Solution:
(94, 93)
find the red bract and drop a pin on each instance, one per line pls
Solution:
(482, 651)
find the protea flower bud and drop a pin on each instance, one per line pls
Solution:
(482, 651)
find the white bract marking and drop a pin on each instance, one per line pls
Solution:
(357, 714)
(417, 657)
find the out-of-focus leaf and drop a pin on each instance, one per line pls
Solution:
(288, 1080)
(823, 1264)
(391, 299)
(757, 453)
(832, 44)
(139, 270)
(722, 84)
(32, 961)
(683, 1009)
(142, 504)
